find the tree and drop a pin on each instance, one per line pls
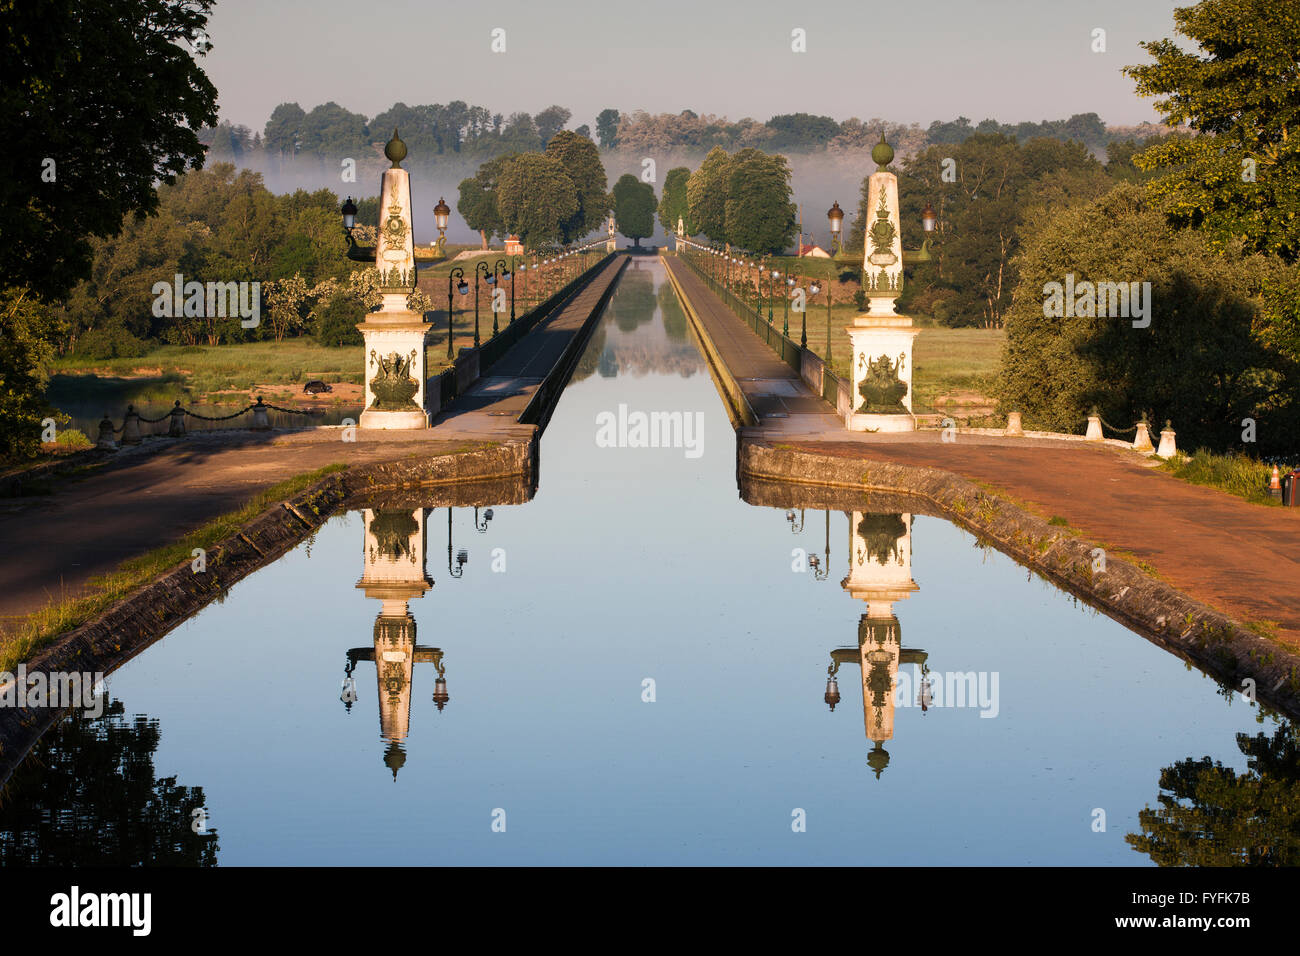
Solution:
(535, 197)
(336, 323)
(1200, 362)
(706, 194)
(581, 160)
(477, 202)
(802, 131)
(1241, 176)
(607, 128)
(634, 208)
(1000, 185)
(283, 133)
(99, 103)
(550, 121)
(759, 214)
(673, 204)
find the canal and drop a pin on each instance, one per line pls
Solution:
(635, 667)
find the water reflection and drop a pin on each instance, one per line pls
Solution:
(88, 794)
(1210, 815)
(880, 573)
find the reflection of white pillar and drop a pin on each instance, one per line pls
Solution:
(880, 573)
(394, 336)
(394, 572)
(880, 338)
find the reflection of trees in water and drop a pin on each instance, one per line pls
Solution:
(87, 794)
(586, 366)
(1211, 816)
(633, 302)
(673, 313)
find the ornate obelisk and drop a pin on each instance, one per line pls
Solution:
(394, 336)
(881, 339)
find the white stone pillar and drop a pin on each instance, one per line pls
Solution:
(394, 336)
(880, 338)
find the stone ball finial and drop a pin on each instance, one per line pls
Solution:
(882, 152)
(395, 150)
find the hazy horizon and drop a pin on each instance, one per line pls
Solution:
(1010, 60)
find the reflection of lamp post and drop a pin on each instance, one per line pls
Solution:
(462, 287)
(487, 516)
(789, 516)
(461, 556)
(822, 572)
(480, 270)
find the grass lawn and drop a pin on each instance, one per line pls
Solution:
(955, 368)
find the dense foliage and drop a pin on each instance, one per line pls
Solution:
(634, 208)
(743, 200)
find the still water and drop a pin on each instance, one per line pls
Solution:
(635, 668)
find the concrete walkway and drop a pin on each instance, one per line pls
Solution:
(1241, 558)
(785, 406)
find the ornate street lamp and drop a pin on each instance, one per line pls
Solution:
(440, 214)
(771, 293)
(349, 216)
(836, 217)
(813, 289)
(480, 270)
(520, 268)
(462, 287)
(499, 271)
(785, 324)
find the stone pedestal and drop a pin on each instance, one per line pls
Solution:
(882, 360)
(394, 349)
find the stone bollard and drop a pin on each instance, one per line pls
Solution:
(106, 439)
(1094, 426)
(177, 427)
(261, 421)
(1142, 440)
(1167, 447)
(131, 427)
(1013, 424)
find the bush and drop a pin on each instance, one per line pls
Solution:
(336, 323)
(111, 342)
(72, 438)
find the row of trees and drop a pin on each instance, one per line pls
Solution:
(743, 199)
(555, 197)
(329, 132)
(214, 224)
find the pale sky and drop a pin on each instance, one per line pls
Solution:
(1012, 60)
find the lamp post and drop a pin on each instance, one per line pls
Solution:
(513, 275)
(771, 293)
(836, 217)
(483, 526)
(813, 289)
(499, 271)
(785, 323)
(440, 214)
(480, 271)
(462, 556)
(462, 287)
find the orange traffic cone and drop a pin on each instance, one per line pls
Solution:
(1275, 484)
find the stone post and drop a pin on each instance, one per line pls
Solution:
(1167, 447)
(1013, 424)
(1094, 427)
(261, 421)
(131, 427)
(106, 431)
(1142, 440)
(176, 429)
